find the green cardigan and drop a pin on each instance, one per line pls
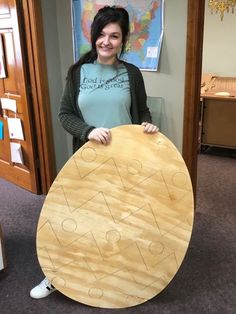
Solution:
(71, 117)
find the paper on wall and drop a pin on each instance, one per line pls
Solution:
(16, 153)
(8, 104)
(15, 128)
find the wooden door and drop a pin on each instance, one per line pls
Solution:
(15, 86)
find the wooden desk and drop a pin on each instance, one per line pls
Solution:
(218, 120)
(218, 111)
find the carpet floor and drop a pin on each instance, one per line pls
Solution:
(205, 282)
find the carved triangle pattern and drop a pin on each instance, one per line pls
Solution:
(116, 224)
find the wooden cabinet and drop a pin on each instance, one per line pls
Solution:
(218, 111)
(218, 125)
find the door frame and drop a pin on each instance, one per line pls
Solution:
(36, 60)
(193, 71)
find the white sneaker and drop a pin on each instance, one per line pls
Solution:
(42, 290)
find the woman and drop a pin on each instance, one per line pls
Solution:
(102, 92)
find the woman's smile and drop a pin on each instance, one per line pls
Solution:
(109, 43)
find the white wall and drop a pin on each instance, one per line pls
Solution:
(168, 82)
(65, 47)
(219, 44)
(55, 59)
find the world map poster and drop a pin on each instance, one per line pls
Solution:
(146, 29)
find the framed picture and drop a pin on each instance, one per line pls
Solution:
(2, 60)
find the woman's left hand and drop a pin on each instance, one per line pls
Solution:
(150, 128)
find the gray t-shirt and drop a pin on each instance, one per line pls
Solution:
(104, 97)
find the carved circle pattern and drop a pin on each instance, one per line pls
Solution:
(116, 223)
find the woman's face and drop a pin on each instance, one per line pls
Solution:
(109, 43)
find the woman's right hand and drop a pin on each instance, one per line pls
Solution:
(100, 135)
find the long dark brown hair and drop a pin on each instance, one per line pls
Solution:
(103, 17)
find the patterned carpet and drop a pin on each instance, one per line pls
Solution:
(205, 283)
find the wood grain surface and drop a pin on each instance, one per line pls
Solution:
(117, 221)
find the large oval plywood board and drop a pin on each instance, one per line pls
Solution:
(117, 221)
